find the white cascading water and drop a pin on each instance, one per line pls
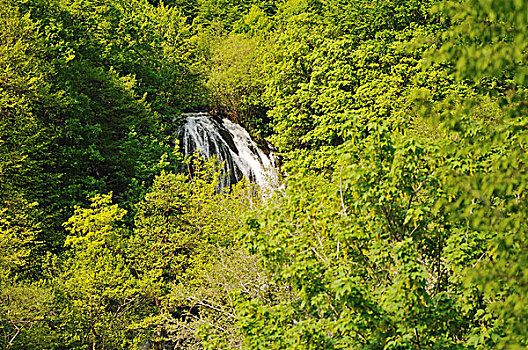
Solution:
(232, 145)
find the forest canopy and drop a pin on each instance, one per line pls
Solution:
(400, 222)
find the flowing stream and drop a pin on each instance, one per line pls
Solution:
(231, 144)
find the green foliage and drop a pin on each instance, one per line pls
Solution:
(487, 39)
(486, 44)
(96, 281)
(411, 241)
(372, 254)
(211, 298)
(182, 228)
(232, 15)
(19, 230)
(321, 69)
(235, 83)
(401, 125)
(25, 104)
(25, 301)
(24, 311)
(88, 94)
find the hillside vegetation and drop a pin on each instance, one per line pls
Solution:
(402, 131)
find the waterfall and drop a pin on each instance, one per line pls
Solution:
(231, 144)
